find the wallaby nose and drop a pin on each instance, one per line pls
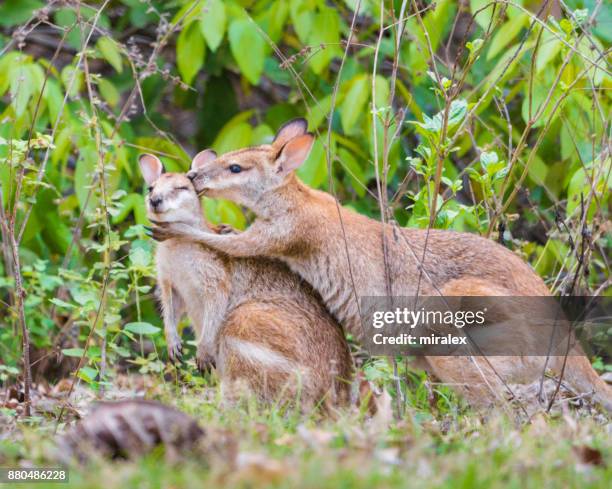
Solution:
(192, 174)
(155, 201)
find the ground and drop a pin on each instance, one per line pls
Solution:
(434, 444)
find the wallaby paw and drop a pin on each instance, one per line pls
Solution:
(159, 223)
(175, 351)
(161, 231)
(205, 362)
(160, 234)
(225, 229)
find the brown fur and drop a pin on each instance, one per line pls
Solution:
(265, 329)
(340, 253)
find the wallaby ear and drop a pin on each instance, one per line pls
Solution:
(294, 153)
(202, 158)
(151, 167)
(290, 130)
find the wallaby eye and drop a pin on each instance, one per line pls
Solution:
(182, 188)
(235, 168)
(150, 189)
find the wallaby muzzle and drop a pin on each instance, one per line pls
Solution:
(155, 201)
(199, 180)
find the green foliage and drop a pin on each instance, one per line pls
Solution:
(248, 48)
(213, 23)
(190, 52)
(518, 104)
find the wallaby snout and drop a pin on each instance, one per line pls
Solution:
(243, 175)
(155, 202)
(199, 180)
(200, 166)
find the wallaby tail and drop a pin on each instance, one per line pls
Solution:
(581, 376)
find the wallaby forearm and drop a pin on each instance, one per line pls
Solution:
(249, 243)
(172, 308)
(240, 245)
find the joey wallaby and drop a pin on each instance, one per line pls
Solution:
(263, 327)
(343, 255)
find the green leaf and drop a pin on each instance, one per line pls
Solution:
(319, 112)
(354, 102)
(538, 170)
(88, 374)
(230, 138)
(262, 134)
(142, 328)
(438, 21)
(13, 12)
(488, 158)
(539, 94)
(353, 171)
(188, 12)
(224, 211)
(72, 80)
(10, 59)
(474, 47)
(84, 178)
(110, 52)
(483, 11)
(456, 114)
(190, 52)
(248, 48)
(550, 46)
(491, 164)
(73, 352)
(581, 184)
(603, 20)
(108, 92)
(230, 213)
(273, 20)
(324, 38)
(314, 170)
(121, 351)
(506, 34)
(566, 26)
(61, 303)
(213, 23)
(22, 88)
(55, 99)
(382, 91)
(233, 137)
(85, 296)
(301, 18)
(140, 258)
(129, 203)
(508, 63)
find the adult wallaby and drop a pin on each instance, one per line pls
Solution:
(341, 254)
(262, 326)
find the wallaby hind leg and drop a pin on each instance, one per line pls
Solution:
(480, 380)
(583, 379)
(204, 360)
(172, 308)
(207, 331)
(483, 380)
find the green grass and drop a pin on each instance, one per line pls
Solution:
(285, 449)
